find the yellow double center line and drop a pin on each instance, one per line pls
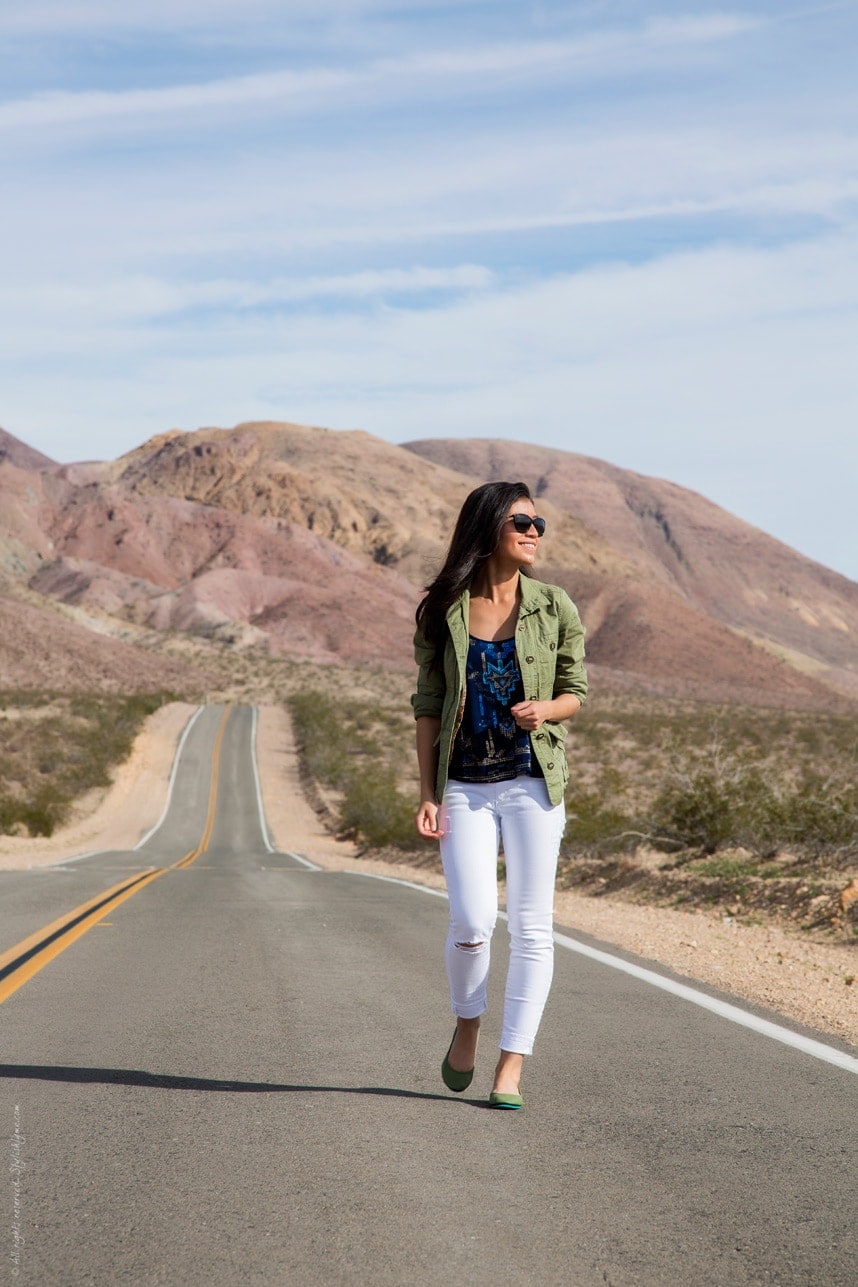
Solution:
(21, 962)
(210, 816)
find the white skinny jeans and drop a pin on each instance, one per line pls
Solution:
(474, 818)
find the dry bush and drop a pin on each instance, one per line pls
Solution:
(347, 746)
(55, 748)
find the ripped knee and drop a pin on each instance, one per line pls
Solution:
(471, 947)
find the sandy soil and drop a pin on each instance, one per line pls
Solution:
(802, 979)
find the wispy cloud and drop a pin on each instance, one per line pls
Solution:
(60, 107)
(138, 298)
(590, 58)
(415, 197)
(52, 16)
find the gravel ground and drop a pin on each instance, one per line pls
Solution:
(805, 980)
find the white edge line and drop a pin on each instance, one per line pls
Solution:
(305, 862)
(395, 880)
(66, 862)
(818, 1049)
(93, 853)
(734, 1013)
(263, 825)
(191, 722)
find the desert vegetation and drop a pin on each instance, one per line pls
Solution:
(682, 802)
(689, 803)
(694, 777)
(55, 748)
(351, 756)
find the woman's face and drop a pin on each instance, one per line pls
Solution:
(514, 546)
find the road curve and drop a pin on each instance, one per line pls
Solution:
(231, 1076)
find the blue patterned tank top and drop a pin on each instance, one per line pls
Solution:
(489, 746)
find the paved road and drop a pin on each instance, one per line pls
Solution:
(233, 1078)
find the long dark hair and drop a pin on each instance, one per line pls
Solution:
(475, 538)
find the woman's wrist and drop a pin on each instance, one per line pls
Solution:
(561, 708)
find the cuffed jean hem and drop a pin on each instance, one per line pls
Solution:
(462, 1012)
(516, 1044)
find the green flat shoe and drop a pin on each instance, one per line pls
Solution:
(454, 1079)
(498, 1099)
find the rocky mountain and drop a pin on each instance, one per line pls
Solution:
(315, 543)
(20, 454)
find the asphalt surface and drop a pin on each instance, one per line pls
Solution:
(234, 1078)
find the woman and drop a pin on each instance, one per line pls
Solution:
(501, 660)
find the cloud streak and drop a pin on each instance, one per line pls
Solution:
(38, 17)
(589, 58)
(140, 298)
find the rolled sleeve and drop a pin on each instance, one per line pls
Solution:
(431, 686)
(570, 674)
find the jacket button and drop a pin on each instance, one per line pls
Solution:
(552, 647)
(551, 765)
(530, 659)
(540, 737)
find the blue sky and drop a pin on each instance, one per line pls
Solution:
(623, 229)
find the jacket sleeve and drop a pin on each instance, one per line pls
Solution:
(431, 685)
(570, 675)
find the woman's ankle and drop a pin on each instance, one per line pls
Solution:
(463, 1048)
(467, 1025)
(508, 1072)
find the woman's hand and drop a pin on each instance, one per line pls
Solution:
(427, 820)
(428, 733)
(530, 715)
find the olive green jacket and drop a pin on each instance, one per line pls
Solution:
(549, 645)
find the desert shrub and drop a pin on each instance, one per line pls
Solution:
(43, 812)
(318, 728)
(338, 751)
(698, 813)
(376, 813)
(733, 803)
(594, 827)
(821, 816)
(64, 747)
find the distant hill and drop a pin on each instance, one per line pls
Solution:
(315, 543)
(41, 648)
(20, 454)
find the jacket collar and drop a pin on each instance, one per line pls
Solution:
(533, 597)
(457, 613)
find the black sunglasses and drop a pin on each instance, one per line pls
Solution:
(524, 522)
